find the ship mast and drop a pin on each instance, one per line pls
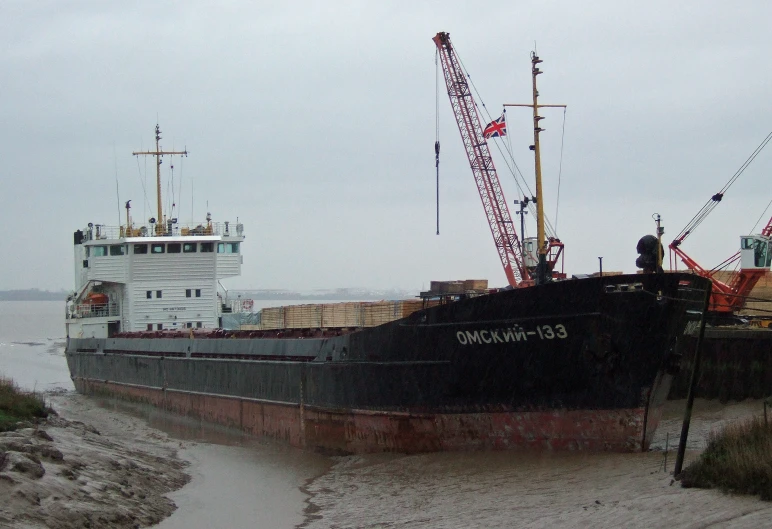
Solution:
(158, 153)
(541, 270)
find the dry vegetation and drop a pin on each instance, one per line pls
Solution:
(737, 459)
(17, 406)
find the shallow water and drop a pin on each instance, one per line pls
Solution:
(238, 481)
(32, 344)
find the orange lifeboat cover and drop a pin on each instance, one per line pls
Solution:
(97, 298)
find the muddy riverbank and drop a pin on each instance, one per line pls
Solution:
(61, 472)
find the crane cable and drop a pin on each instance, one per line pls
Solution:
(516, 171)
(437, 129)
(484, 110)
(551, 231)
(560, 169)
(715, 199)
(763, 214)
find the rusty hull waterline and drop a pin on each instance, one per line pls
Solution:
(364, 431)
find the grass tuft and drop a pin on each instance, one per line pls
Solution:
(17, 405)
(737, 459)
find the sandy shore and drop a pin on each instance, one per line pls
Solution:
(64, 472)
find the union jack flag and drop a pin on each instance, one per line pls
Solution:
(496, 128)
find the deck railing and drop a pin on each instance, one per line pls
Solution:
(93, 310)
(101, 231)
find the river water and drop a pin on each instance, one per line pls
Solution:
(239, 481)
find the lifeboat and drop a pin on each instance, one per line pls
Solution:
(96, 298)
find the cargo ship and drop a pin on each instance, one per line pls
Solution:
(555, 363)
(576, 364)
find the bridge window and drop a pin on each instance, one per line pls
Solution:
(220, 247)
(157, 248)
(207, 247)
(189, 247)
(99, 251)
(140, 249)
(116, 249)
(232, 247)
(173, 247)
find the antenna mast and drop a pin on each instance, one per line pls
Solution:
(541, 270)
(160, 226)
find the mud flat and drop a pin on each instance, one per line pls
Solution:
(515, 489)
(64, 472)
(127, 473)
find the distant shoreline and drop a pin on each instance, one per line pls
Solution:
(32, 294)
(342, 294)
(294, 296)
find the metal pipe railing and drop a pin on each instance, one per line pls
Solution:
(93, 310)
(100, 231)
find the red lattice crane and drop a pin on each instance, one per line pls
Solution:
(755, 253)
(755, 258)
(481, 162)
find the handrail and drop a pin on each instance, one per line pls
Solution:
(93, 310)
(101, 231)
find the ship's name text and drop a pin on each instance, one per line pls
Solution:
(514, 334)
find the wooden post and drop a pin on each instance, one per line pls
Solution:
(692, 383)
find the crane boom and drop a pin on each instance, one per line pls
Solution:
(728, 297)
(755, 253)
(481, 162)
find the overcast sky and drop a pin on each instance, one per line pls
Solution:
(313, 123)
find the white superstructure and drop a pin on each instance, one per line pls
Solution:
(138, 283)
(160, 276)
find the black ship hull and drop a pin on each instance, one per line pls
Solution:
(577, 364)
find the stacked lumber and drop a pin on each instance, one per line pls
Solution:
(337, 315)
(458, 287)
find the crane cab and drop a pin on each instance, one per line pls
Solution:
(530, 253)
(755, 252)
